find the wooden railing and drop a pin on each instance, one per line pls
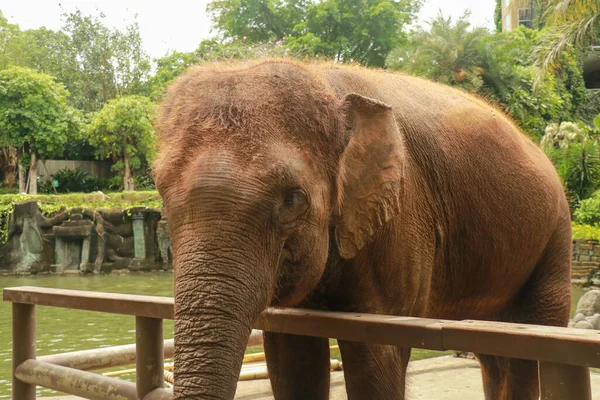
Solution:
(564, 354)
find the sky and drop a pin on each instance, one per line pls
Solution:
(181, 25)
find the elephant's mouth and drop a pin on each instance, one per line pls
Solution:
(289, 274)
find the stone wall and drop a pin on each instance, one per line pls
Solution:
(586, 259)
(100, 240)
(82, 240)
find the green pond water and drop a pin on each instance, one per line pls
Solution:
(60, 330)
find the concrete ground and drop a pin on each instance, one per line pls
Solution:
(441, 378)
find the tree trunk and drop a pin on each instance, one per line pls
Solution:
(33, 174)
(8, 165)
(127, 178)
(21, 173)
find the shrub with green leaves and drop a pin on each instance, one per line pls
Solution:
(589, 210)
(585, 232)
(122, 130)
(77, 181)
(575, 151)
(34, 116)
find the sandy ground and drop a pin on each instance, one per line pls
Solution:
(441, 378)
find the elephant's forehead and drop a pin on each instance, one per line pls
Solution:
(270, 164)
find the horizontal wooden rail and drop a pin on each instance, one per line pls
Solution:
(114, 303)
(533, 342)
(80, 383)
(105, 357)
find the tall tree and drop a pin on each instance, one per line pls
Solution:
(570, 23)
(361, 31)
(34, 118)
(122, 130)
(498, 16)
(108, 62)
(448, 52)
(12, 44)
(256, 20)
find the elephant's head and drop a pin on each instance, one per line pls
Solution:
(257, 167)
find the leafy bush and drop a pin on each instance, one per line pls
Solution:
(588, 211)
(575, 151)
(585, 232)
(144, 181)
(122, 130)
(75, 180)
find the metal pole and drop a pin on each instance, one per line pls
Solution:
(23, 336)
(564, 382)
(149, 355)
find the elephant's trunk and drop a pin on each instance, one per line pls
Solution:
(220, 289)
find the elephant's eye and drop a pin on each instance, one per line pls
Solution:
(292, 198)
(295, 204)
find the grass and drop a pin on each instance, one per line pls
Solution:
(51, 203)
(82, 199)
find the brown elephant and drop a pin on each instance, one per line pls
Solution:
(348, 189)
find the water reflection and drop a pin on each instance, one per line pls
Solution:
(61, 330)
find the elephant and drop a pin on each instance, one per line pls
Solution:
(342, 188)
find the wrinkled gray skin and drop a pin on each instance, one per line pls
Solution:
(351, 190)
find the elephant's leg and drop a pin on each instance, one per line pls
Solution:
(298, 366)
(374, 372)
(509, 379)
(493, 371)
(544, 300)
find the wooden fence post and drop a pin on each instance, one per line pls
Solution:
(23, 336)
(149, 355)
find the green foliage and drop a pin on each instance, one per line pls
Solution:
(11, 44)
(446, 52)
(51, 204)
(256, 20)
(498, 16)
(145, 180)
(94, 62)
(76, 180)
(570, 23)
(168, 68)
(105, 62)
(122, 130)
(361, 31)
(588, 212)
(589, 232)
(575, 151)
(509, 79)
(34, 112)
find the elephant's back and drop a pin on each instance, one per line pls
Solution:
(496, 197)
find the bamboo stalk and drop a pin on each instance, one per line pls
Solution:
(336, 365)
(119, 373)
(249, 358)
(259, 371)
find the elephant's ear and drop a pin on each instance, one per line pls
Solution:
(370, 177)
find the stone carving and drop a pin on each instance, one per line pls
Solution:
(587, 315)
(84, 241)
(164, 245)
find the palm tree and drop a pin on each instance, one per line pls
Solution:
(571, 23)
(447, 52)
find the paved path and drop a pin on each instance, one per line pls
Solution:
(441, 378)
